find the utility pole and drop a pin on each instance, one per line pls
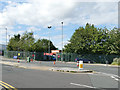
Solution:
(6, 37)
(49, 41)
(62, 43)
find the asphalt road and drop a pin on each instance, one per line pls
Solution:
(28, 78)
(98, 68)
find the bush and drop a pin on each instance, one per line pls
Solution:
(116, 61)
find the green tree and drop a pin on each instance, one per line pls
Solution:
(26, 42)
(13, 43)
(94, 40)
(43, 45)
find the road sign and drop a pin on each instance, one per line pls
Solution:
(18, 54)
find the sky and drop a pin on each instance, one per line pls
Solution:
(19, 16)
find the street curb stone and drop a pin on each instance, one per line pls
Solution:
(71, 70)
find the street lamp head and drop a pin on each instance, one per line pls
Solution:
(49, 26)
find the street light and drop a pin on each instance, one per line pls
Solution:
(49, 41)
(6, 36)
(62, 42)
(9, 37)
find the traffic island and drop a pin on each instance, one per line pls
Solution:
(71, 70)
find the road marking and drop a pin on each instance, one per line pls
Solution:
(115, 77)
(8, 86)
(82, 85)
(5, 86)
(109, 74)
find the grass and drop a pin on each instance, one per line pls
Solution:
(73, 71)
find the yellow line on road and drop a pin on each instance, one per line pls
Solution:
(7, 85)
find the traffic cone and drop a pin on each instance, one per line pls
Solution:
(77, 63)
(54, 62)
(18, 60)
(32, 60)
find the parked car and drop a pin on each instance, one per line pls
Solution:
(84, 60)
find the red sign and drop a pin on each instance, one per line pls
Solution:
(33, 55)
(58, 56)
(48, 53)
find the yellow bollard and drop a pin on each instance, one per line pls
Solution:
(80, 65)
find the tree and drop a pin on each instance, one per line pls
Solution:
(13, 43)
(42, 45)
(94, 40)
(26, 42)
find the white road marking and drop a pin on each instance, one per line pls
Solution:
(82, 85)
(115, 77)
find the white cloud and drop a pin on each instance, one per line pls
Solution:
(59, 45)
(45, 12)
(58, 37)
(34, 29)
(51, 12)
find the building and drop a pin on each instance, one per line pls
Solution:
(55, 51)
(2, 47)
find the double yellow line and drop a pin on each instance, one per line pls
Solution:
(7, 86)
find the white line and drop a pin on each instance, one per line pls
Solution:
(82, 85)
(114, 78)
(109, 74)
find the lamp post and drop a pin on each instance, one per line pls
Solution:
(49, 41)
(6, 36)
(62, 43)
(9, 37)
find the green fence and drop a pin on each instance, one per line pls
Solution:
(67, 57)
(23, 55)
(96, 58)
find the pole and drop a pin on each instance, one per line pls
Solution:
(6, 37)
(9, 37)
(49, 42)
(62, 43)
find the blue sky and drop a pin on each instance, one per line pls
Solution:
(36, 15)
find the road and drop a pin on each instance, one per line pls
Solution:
(98, 68)
(28, 78)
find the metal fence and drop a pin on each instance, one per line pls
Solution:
(96, 58)
(67, 57)
(23, 55)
